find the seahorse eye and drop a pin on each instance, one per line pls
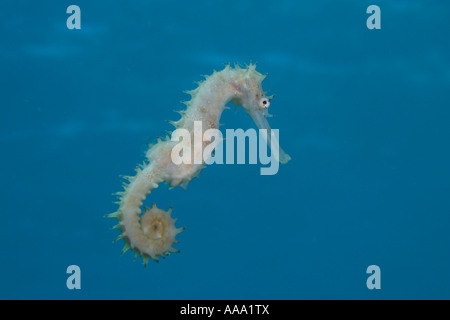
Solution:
(264, 103)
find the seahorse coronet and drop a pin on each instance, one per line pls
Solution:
(151, 233)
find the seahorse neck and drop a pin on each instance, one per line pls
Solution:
(210, 98)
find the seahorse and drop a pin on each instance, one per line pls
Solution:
(151, 234)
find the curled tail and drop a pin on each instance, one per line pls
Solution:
(150, 233)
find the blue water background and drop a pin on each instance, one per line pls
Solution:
(363, 113)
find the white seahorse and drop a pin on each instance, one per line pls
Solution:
(152, 233)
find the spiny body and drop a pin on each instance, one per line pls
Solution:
(152, 233)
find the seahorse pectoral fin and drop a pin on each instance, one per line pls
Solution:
(260, 120)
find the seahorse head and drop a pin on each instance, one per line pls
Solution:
(256, 103)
